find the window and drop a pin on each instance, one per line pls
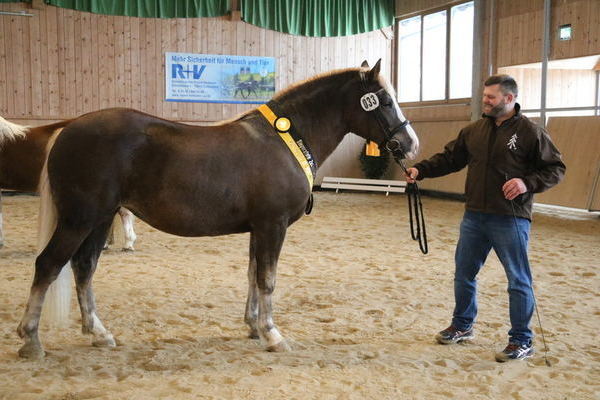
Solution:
(461, 52)
(572, 86)
(410, 64)
(435, 54)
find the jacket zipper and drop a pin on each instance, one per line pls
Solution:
(491, 142)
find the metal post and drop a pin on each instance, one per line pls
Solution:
(491, 38)
(545, 54)
(477, 47)
(597, 93)
(421, 62)
(448, 32)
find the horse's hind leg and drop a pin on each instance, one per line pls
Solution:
(56, 254)
(251, 315)
(269, 240)
(84, 264)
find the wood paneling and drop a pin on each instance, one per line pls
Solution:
(519, 31)
(62, 63)
(444, 112)
(577, 139)
(584, 17)
(520, 27)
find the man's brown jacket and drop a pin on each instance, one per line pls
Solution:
(518, 148)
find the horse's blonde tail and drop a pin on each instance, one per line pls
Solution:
(10, 131)
(58, 297)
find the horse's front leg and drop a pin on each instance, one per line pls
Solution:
(268, 243)
(127, 218)
(251, 315)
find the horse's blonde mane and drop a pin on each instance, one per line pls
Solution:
(10, 131)
(290, 88)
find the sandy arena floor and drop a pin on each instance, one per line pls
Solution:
(355, 298)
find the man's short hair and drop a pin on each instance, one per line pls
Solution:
(507, 83)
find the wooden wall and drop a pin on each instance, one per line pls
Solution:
(577, 138)
(584, 17)
(61, 63)
(520, 30)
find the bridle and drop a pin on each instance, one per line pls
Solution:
(370, 103)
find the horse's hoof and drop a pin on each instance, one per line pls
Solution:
(107, 341)
(128, 249)
(280, 347)
(253, 334)
(32, 351)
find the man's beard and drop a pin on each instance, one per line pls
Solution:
(498, 110)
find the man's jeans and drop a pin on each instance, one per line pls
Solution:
(479, 233)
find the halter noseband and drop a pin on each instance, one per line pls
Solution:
(389, 143)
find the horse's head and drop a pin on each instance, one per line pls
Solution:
(378, 116)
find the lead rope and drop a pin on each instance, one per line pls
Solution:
(415, 212)
(526, 259)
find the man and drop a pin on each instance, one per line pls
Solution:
(509, 158)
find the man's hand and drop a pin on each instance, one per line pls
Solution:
(411, 175)
(513, 188)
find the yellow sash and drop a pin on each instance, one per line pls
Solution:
(289, 141)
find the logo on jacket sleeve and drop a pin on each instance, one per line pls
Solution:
(512, 143)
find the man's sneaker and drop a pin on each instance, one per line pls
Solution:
(451, 335)
(515, 352)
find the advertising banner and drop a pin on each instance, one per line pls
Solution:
(210, 78)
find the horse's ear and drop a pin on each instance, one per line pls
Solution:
(374, 72)
(364, 64)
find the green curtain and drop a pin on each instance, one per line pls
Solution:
(149, 8)
(319, 17)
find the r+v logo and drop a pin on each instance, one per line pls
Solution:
(178, 71)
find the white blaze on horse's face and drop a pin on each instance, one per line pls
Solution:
(414, 146)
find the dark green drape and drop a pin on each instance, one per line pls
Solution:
(149, 8)
(15, 1)
(319, 17)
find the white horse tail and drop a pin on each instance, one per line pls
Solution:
(10, 131)
(58, 297)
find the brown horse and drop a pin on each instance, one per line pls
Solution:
(236, 176)
(22, 156)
